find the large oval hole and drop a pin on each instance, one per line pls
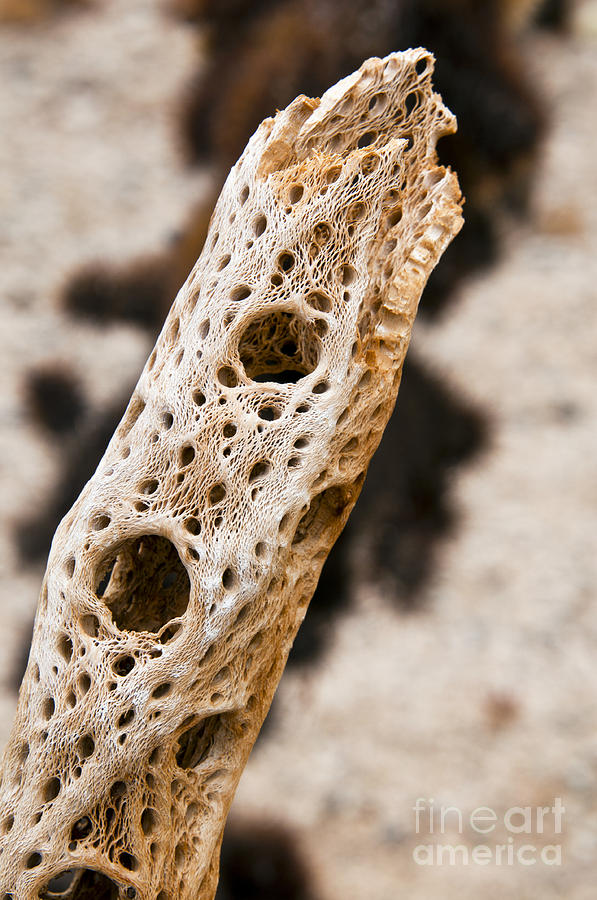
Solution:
(279, 347)
(144, 583)
(81, 884)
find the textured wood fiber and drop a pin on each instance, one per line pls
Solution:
(176, 584)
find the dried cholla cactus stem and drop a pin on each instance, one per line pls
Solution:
(176, 584)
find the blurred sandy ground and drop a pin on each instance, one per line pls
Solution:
(488, 697)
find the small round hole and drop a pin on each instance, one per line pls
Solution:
(128, 861)
(100, 522)
(85, 746)
(366, 139)
(161, 690)
(118, 790)
(410, 102)
(187, 455)
(347, 274)
(394, 216)
(370, 163)
(51, 789)
(81, 829)
(286, 261)
(216, 494)
(148, 821)
(123, 665)
(227, 376)
(90, 625)
(229, 579)
(169, 633)
(192, 525)
(356, 211)
(319, 301)
(269, 413)
(259, 470)
(126, 718)
(259, 225)
(421, 65)
(65, 647)
(240, 293)
(322, 233)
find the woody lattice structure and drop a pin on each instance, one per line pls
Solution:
(176, 584)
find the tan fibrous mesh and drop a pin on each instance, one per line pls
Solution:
(176, 584)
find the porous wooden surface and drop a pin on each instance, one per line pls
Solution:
(177, 582)
(510, 612)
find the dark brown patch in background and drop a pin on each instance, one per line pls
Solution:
(262, 861)
(54, 399)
